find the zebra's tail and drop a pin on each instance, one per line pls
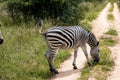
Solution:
(40, 23)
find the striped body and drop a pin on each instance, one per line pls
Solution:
(66, 37)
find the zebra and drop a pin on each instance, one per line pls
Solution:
(69, 37)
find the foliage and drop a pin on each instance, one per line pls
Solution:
(64, 10)
(86, 24)
(84, 8)
(105, 57)
(118, 2)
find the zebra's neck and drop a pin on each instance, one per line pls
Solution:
(92, 42)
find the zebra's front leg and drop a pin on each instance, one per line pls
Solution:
(86, 54)
(75, 56)
(50, 57)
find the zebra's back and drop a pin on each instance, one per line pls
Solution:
(65, 37)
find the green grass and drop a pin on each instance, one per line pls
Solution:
(105, 57)
(107, 42)
(112, 32)
(110, 17)
(118, 3)
(100, 70)
(22, 54)
(111, 8)
(86, 24)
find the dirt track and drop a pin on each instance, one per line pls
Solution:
(115, 74)
(100, 26)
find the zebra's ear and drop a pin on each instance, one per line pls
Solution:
(97, 43)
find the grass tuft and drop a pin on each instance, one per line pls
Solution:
(107, 42)
(110, 17)
(112, 32)
(111, 9)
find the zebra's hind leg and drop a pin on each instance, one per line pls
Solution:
(75, 56)
(50, 57)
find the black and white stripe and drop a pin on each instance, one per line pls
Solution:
(66, 37)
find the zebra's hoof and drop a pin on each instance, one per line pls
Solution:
(51, 70)
(55, 72)
(74, 67)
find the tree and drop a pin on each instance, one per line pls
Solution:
(62, 10)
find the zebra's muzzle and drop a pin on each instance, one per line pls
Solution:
(1, 41)
(96, 60)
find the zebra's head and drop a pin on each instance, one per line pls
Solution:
(1, 38)
(95, 53)
(94, 47)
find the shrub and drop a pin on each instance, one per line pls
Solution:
(65, 10)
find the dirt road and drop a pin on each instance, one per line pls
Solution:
(100, 26)
(115, 74)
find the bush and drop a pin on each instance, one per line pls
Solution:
(62, 10)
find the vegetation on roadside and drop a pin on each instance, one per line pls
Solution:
(111, 9)
(81, 13)
(112, 32)
(110, 17)
(118, 3)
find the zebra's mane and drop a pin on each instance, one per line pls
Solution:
(92, 41)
